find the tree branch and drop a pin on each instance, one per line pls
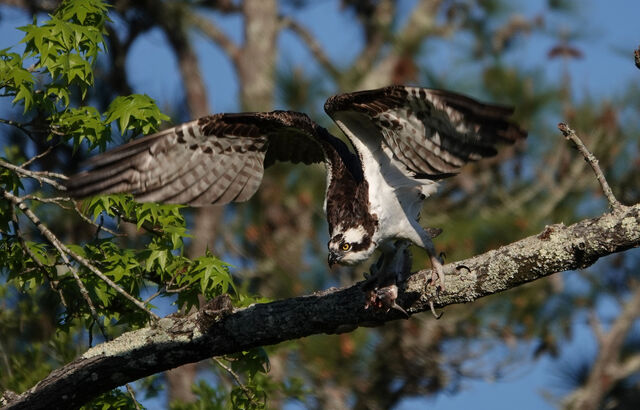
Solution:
(593, 161)
(218, 329)
(64, 250)
(628, 367)
(238, 381)
(607, 369)
(40, 176)
(421, 22)
(209, 29)
(312, 44)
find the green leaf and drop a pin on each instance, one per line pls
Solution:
(39, 250)
(77, 249)
(157, 257)
(15, 79)
(67, 45)
(82, 123)
(135, 112)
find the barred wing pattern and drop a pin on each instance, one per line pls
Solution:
(221, 158)
(432, 132)
(213, 160)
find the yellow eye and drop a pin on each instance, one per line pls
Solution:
(346, 246)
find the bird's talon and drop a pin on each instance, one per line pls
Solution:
(460, 267)
(437, 273)
(433, 311)
(384, 298)
(399, 309)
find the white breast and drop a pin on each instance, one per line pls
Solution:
(395, 196)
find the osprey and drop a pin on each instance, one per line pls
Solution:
(404, 139)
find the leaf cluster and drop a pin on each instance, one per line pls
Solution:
(67, 45)
(50, 83)
(251, 385)
(56, 70)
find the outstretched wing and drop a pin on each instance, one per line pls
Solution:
(213, 160)
(432, 132)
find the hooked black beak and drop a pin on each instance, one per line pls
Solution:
(332, 259)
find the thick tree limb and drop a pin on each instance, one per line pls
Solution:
(217, 329)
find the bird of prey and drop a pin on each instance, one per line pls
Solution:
(403, 139)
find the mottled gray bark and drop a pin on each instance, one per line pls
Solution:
(256, 64)
(218, 329)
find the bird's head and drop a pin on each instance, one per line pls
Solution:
(350, 246)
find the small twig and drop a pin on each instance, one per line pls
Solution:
(42, 176)
(629, 366)
(58, 200)
(146, 225)
(178, 290)
(237, 379)
(33, 257)
(164, 289)
(90, 221)
(51, 175)
(85, 294)
(155, 295)
(74, 272)
(133, 396)
(37, 157)
(108, 281)
(18, 125)
(63, 250)
(593, 161)
(596, 326)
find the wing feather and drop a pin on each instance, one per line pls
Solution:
(216, 159)
(211, 193)
(432, 132)
(253, 170)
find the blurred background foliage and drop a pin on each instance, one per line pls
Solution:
(171, 257)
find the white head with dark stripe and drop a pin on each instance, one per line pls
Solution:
(350, 246)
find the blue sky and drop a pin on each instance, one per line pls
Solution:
(608, 33)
